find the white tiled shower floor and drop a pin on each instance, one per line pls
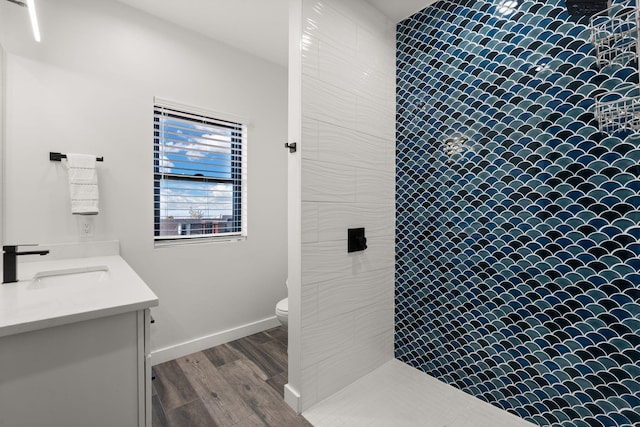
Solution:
(397, 395)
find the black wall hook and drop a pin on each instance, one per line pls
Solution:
(292, 147)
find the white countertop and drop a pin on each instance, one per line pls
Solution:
(29, 304)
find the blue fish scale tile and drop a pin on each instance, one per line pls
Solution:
(518, 258)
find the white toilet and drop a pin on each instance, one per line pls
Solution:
(282, 309)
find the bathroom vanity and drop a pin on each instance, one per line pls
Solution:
(74, 342)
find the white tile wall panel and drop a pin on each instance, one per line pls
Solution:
(310, 222)
(374, 186)
(373, 50)
(324, 339)
(310, 55)
(371, 115)
(328, 182)
(339, 144)
(375, 319)
(309, 143)
(327, 20)
(374, 88)
(367, 17)
(349, 147)
(329, 260)
(338, 64)
(348, 163)
(335, 218)
(309, 305)
(328, 103)
(376, 63)
(375, 152)
(353, 362)
(368, 289)
(309, 391)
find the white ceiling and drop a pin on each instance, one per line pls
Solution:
(259, 27)
(397, 10)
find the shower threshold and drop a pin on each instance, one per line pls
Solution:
(397, 395)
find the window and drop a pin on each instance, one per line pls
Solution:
(199, 170)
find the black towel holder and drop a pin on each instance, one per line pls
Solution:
(57, 157)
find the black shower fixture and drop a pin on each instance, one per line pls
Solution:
(356, 241)
(585, 7)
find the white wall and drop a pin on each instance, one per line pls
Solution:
(347, 100)
(2, 136)
(89, 88)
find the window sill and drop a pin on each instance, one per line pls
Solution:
(196, 241)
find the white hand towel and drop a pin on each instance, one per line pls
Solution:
(83, 184)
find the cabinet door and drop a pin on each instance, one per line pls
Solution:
(81, 374)
(144, 367)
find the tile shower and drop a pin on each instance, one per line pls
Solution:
(518, 222)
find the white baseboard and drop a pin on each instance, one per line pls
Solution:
(179, 350)
(292, 398)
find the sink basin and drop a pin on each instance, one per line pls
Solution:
(70, 276)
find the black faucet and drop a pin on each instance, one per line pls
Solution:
(10, 261)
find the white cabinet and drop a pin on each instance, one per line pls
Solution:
(74, 342)
(94, 373)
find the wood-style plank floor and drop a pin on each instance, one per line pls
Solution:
(237, 384)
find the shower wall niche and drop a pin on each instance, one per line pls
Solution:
(517, 255)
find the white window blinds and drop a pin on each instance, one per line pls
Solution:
(199, 175)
